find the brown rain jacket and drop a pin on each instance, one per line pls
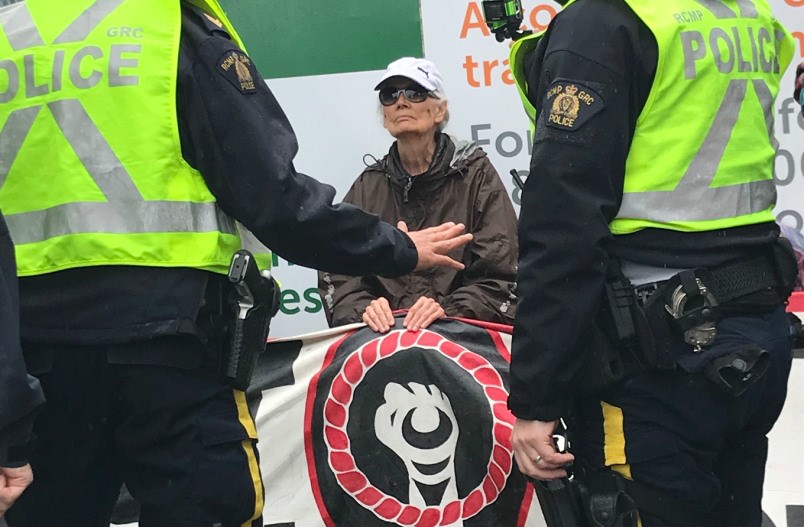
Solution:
(461, 186)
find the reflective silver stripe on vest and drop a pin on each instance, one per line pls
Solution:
(721, 11)
(87, 21)
(14, 132)
(766, 100)
(19, 27)
(118, 218)
(125, 210)
(693, 199)
(92, 149)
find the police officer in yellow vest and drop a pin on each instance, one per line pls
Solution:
(653, 158)
(133, 133)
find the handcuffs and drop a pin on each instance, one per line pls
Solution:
(698, 321)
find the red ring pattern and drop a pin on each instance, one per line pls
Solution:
(356, 484)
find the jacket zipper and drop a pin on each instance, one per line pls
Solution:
(408, 184)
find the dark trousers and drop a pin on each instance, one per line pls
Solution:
(183, 442)
(678, 433)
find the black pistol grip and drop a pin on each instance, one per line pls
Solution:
(236, 349)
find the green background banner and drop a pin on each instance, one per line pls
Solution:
(290, 38)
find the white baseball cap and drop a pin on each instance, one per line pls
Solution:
(420, 71)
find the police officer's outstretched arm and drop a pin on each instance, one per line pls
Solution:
(236, 134)
(20, 394)
(572, 193)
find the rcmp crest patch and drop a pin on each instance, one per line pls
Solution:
(570, 105)
(238, 69)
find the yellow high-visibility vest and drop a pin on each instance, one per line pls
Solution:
(91, 169)
(703, 151)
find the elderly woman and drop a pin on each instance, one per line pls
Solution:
(428, 178)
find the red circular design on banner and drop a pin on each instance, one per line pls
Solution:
(369, 355)
(503, 432)
(341, 462)
(488, 488)
(409, 516)
(335, 413)
(497, 476)
(353, 369)
(488, 376)
(353, 480)
(502, 458)
(388, 509)
(336, 439)
(502, 413)
(389, 345)
(450, 349)
(341, 390)
(430, 340)
(473, 504)
(370, 496)
(496, 393)
(471, 361)
(430, 518)
(452, 513)
(407, 339)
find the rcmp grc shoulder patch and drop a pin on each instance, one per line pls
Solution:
(569, 105)
(238, 69)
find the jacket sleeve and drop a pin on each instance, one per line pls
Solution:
(20, 394)
(487, 291)
(572, 193)
(345, 298)
(238, 137)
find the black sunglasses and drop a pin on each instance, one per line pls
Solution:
(390, 95)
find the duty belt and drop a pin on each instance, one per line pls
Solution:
(728, 282)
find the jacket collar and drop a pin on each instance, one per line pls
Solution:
(452, 155)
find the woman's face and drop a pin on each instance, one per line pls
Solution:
(405, 118)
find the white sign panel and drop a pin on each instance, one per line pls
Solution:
(337, 121)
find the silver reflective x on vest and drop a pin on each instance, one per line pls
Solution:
(695, 186)
(125, 209)
(738, 45)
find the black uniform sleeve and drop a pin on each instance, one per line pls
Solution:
(235, 133)
(589, 79)
(346, 297)
(20, 394)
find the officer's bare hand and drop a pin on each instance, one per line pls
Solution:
(378, 315)
(534, 451)
(434, 243)
(12, 482)
(423, 313)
